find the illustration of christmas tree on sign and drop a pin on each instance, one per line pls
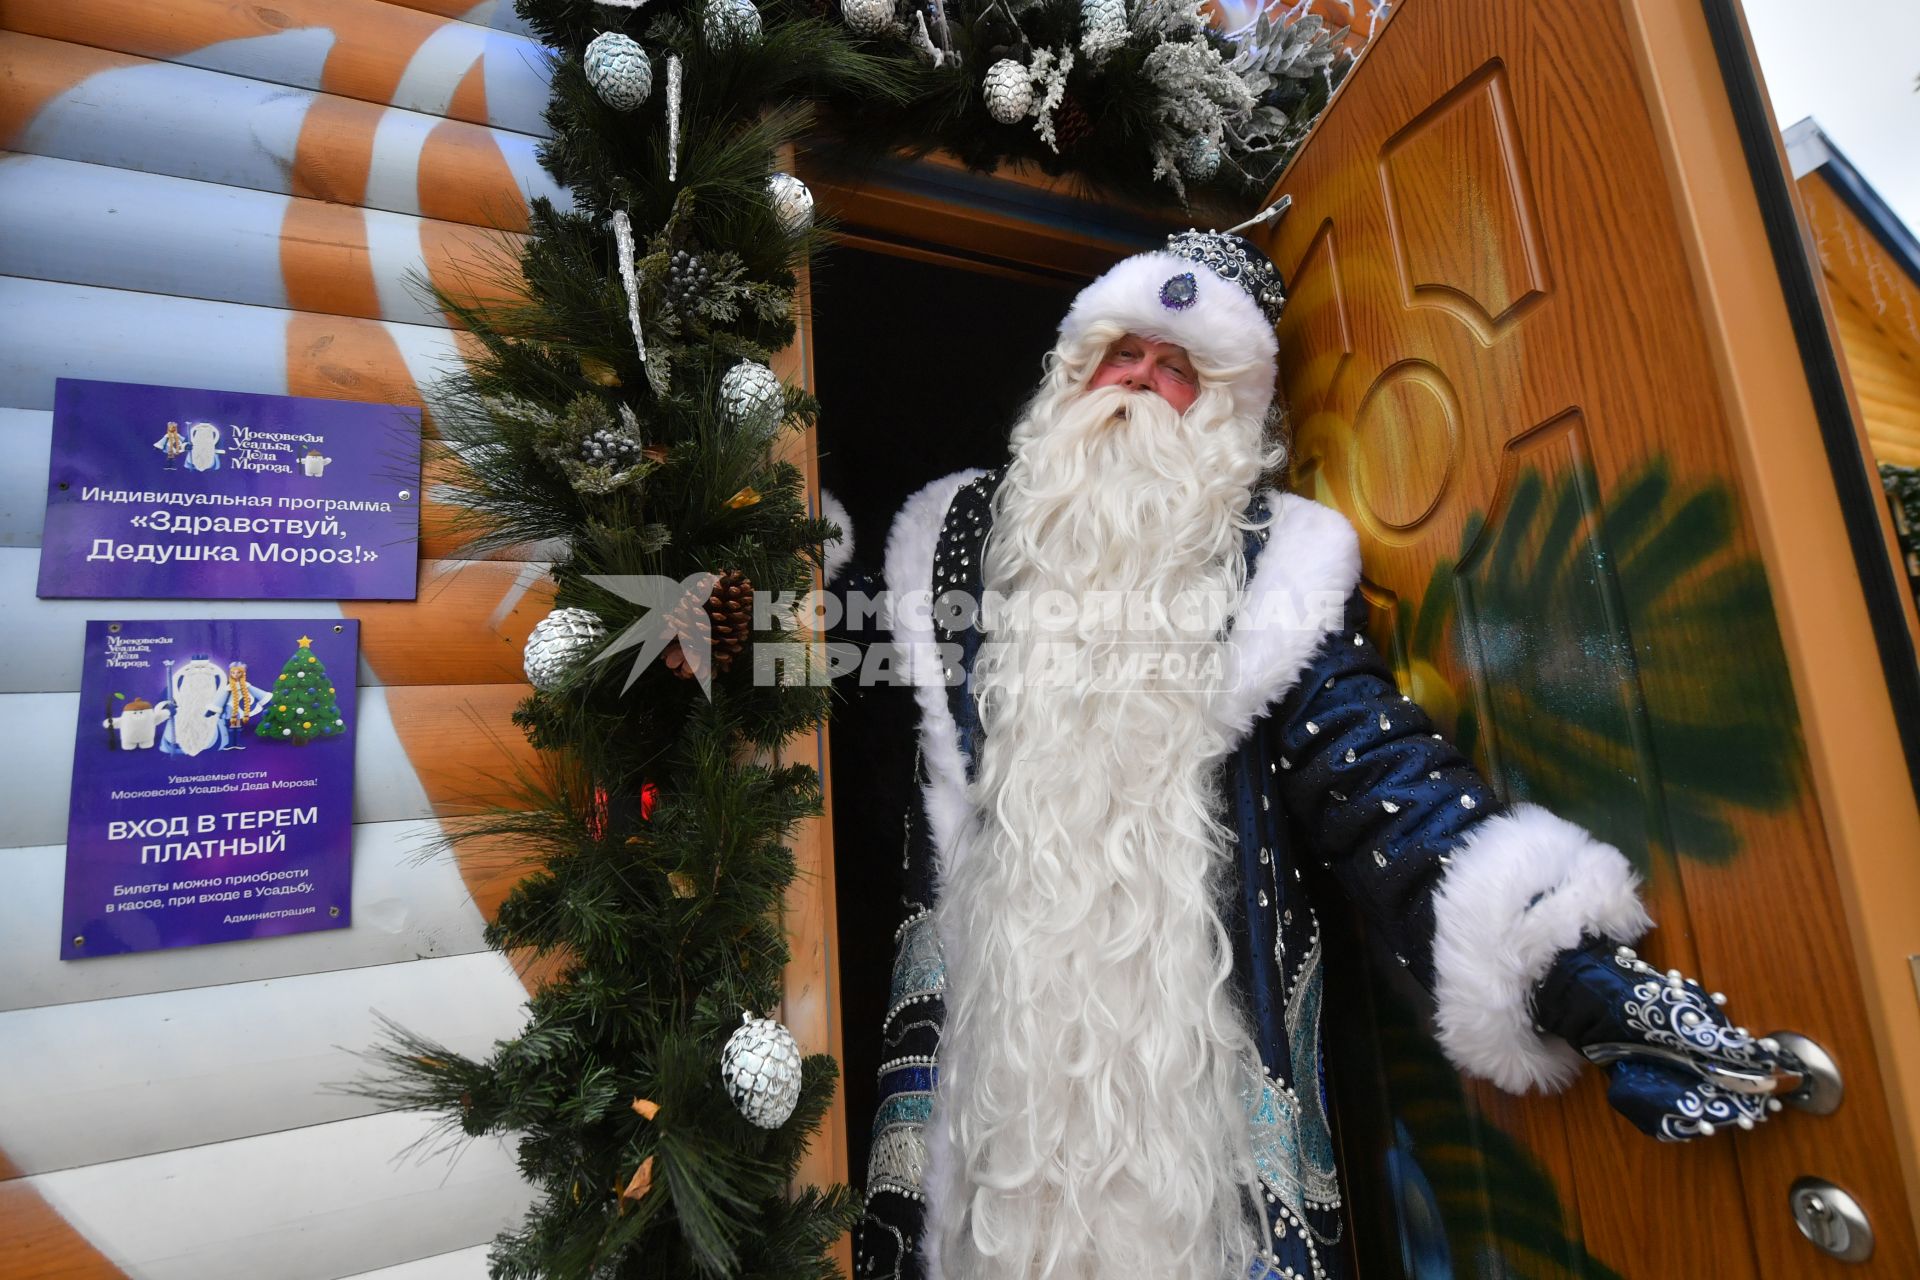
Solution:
(303, 706)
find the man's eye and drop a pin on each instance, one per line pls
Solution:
(1185, 375)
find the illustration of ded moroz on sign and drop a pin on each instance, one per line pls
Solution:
(212, 784)
(171, 492)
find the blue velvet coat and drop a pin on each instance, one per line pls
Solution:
(1339, 785)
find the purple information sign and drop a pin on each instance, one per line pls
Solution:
(212, 784)
(225, 495)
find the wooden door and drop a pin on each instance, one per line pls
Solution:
(1524, 353)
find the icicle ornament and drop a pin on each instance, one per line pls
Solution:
(673, 117)
(629, 279)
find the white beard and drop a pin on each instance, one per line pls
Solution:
(199, 689)
(1089, 1119)
(205, 437)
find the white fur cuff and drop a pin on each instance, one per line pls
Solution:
(838, 551)
(1523, 887)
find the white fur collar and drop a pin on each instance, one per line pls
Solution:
(909, 577)
(1297, 596)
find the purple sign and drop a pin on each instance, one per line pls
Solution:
(225, 495)
(212, 784)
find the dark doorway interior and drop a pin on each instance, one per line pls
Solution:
(920, 369)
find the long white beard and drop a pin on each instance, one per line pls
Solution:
(204, 439)
(1090, 1119)
(198, 692)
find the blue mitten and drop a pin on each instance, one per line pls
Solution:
(1678, 1069)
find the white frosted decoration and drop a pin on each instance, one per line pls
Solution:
(673, 117)
(751, 395)
(618, 70)
(792, 202)
(1008, 91)
(729, 22)
(623, 244)
(561, 641)
(867, 17)
(761, 1068)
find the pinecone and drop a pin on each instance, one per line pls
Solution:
(731, 609)
(687, 279)
(1071, 123)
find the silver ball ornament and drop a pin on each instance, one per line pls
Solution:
(1200, 158)
(867, 17)
(761, 1069)
(751, 396)
(729, 22)
(618, 70)
(562, 641)
(792, 202)
(1008, 91)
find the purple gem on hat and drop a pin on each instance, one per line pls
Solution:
(1179, 291)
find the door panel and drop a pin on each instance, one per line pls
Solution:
(1499, 366)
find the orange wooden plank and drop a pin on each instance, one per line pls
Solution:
(34, 72)
(42, 1245)
(468, 627)
(372, 42)
(462, 743)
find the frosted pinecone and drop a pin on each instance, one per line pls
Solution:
(688, 279)
(614, 450)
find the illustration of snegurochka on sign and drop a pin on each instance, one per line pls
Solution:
(253, 496)
(206, 807)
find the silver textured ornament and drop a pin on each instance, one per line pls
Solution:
(866, 17)
(618, 70)
(562, 641)
(761, 1068)
(1199, 158)
(729, 22)
(751, 396)
(1103, 27)
(1007, 91)
(792, 202)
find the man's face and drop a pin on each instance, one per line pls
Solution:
(1146, 364)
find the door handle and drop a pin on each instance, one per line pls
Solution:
(1820, 1088)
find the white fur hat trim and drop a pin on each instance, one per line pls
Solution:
(1221, 326)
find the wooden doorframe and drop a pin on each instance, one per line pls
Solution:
(1855, 742)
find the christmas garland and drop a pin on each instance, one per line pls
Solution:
(622, 415)
(1126, 95)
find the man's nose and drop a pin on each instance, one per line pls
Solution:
(1136, 374)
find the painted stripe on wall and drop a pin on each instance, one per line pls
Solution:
(292, 107)
(307, 1204)
(62, 220)
(78, 103)
(50, 330)
(114, 1079)
(380, 53)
